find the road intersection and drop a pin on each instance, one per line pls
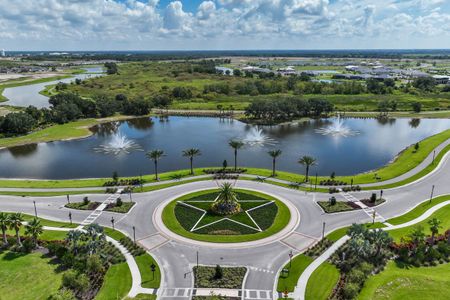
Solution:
(263, 260)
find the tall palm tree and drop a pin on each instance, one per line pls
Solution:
(4, 224)
(274, 154)
(236, 145)
(34, 229)
(435, 225)
(15, 223)
(191, 153)
(307, 161)
(155, 155)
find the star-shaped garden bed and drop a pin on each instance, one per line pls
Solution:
(256, 215)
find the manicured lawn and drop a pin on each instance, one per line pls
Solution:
(143, 297)
(418, 210)
(115, 234)
(281, 220)
(148, 279)
(117, 283)
(299, 264)
(338, 207)
(442, 214)
(394, 283)
(27, 276)
(322, 281)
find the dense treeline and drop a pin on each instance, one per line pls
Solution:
(67, 107)
(270, 111)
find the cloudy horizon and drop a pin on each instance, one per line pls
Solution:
(223, 24)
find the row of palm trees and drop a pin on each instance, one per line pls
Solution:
(157, 154)
(14, 222)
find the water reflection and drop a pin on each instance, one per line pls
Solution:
(414, 122)
(23, 151)
(377, 143)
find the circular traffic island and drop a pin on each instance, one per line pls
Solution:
(226, 215)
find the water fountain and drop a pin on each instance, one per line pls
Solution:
(118, 144)
(256, 136)
(337, 129)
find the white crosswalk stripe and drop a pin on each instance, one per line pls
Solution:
(368, 210)
(99, 210)
(177, 293)
(258, 294)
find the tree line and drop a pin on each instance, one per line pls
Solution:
(68, 107)
(287, 109)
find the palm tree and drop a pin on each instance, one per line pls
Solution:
(417, 236)
(307, 161)
(73, 237)
(155, 155)
(235, 145)
(226, 203)
(4, 224)
(435, 225)
(15, 223)
(274, 154)
(191, 153)
(380, 239)
(34, 229)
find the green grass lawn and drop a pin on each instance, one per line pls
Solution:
(149, 280)
(29, 276)
(322, 281)
(282, 219)
(117, 283)
(418, 210)
(442, 214)
(299, 264)
(394, 283)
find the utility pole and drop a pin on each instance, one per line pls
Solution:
(434, 155)
(68, 199)
(432, 192)
(134, 234)
(35, 210)
(290, 258)
(315, 187)
(197, 259)
(112, 222)
(70, 217)
(323, 230)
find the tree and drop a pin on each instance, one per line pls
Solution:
(15, 223)
(307, 161)
(425, 83)
(417, 236)
(191, 153)
(417, 107)
(17, 123)
(380, 239)
(73, 237)
(435, 225)
(218, 272)
(274, 154)
(236, 145)
(34, 229)
(226, 203)
(155, 155)
(4, 224)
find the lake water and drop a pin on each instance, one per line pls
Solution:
(375, 145)
(27, 95)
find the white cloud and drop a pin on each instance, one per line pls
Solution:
(136, 24)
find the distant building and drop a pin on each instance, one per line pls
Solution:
(2, 53)
(441, 79)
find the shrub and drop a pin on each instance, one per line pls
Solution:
(86, 200)
(356, 276)
(63, 294)
(218, 272)
(332, 200)
(119, 202)
(373, 198)
(74, 281)
(350, 291)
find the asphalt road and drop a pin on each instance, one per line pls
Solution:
(177, 258)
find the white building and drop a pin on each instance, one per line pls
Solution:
(441, 79)
(2, 53)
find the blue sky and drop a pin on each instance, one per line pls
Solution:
(223, 24)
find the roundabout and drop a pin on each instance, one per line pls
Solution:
(260, 218)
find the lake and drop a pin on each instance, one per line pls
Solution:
(27, 95)
(371, 144)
